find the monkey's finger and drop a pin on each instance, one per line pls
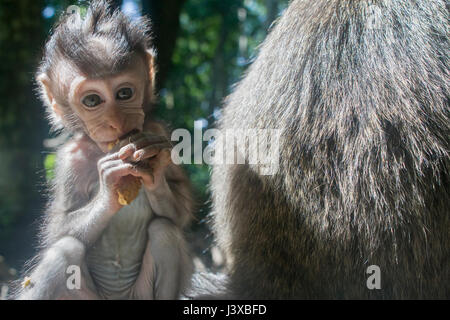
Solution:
(150, 151)
(162, 159)
(126, 151)
(142, 136)
(109, 157)
(133, 136)
(110, 164)
(143, 172)
(149, 140)
(112, 174)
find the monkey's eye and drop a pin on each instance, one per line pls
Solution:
(124, 94)
(92, 100)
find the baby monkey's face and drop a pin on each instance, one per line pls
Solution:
(113, 106)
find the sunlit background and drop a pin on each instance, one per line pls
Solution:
(204, 47)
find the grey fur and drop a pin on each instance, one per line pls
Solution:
(364, 155)
(138, 251)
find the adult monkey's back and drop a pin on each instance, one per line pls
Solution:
(360, 92)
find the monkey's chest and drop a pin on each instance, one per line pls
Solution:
(115, 260)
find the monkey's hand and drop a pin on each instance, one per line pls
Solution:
(150, 155)
(113, 172)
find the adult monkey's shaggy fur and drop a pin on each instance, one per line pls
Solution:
(360, 90)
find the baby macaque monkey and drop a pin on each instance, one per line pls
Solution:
(97, 80)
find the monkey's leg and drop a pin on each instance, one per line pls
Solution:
(49, 280)
(166, 265)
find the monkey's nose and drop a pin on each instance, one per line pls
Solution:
(119, 128)
(117, 123)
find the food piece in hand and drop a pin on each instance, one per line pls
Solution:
(129, 186)
(128, 189)
(111, 145)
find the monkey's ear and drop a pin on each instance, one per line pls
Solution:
(49, 99)
(44, 83)
(151, 57)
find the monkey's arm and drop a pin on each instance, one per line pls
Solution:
(172, 199)
(85, 224)
(75, 209)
